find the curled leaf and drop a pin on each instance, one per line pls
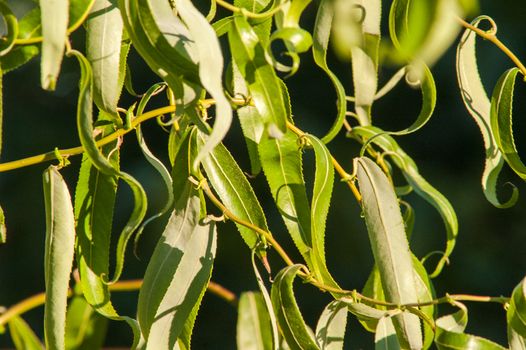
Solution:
(516, 314)
(253, 323)
(11, 23)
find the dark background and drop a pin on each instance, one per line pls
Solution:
(489, 258)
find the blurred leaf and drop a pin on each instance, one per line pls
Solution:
(103, 46)
(3, 229)
(321, 200)
(282, 163)
(210, 71)
(321, 35)
(449, 333)
(11, 24)
(418, 183)
(58, 259)
(236, 193)
(184, 256)
(85, 130)
(478, 105)
(54, 31)
(23, 336)
(385, 335)
(295, 331)
(330, 329)
(516, 341)
(390, 247)
(253, 323)
(263, 84)
(516, 314)
(85, 329)
(501, 120)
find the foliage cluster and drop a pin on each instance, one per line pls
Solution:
(216, 71)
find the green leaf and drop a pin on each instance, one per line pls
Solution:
(321, 34)
(418, 183)
(1, 120)
(210, 71)
(11, 23)
(478, 105)
(23, 336)
(85, 329)
(183, 256)
(263, 84)
(295, 331)
(516, 314)
(60, 246)
(103, 45)
(85, 129)
(385, 335)
(449, 333)
(330, 329)
(253, 323)
(321, 200)
(390, 247)
(3, 229)
(235, 192)
(501, 122)
(516, 341)
(54, 30)
(281, 160)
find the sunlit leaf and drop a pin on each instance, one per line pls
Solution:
(321, 35)
(516, 342)
(330, 329)
(385, 335)
(85, 129)
(478, 105)
(60, 245)
(516, 314)
(54, 26)
(253, 323)
(11, 23)
(3, 229)
(449, 333)
(501, 120)
(183, 256)
(263, 84)
(235, 192)
(295, 331)
(103, 46)
(418, 183)
(23, 336)
(85, 328)
(390, 247)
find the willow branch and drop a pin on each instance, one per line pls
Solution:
(52, 155)
(492, 37)
(120, 286)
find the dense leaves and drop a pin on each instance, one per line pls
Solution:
(213, 67)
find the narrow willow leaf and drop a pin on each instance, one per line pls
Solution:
(321, 199)
(390, 247)
(516, 314)
(85, 328)
(385, 335)
(281, 160)
(253, 323)
(54, 27)
(330, 329)
(268, 305)
(449, 333)
(1, 121)
(210, 71)
(418, 183)
(85, 129)
(295, 331)
(478, 105)
(103, 45)
(60, 245)
(23, 336)
(501, 120)
(183, 256)
(11, 24)
(263, 84)
(235, 192)
(322, 32)
(3, 229)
